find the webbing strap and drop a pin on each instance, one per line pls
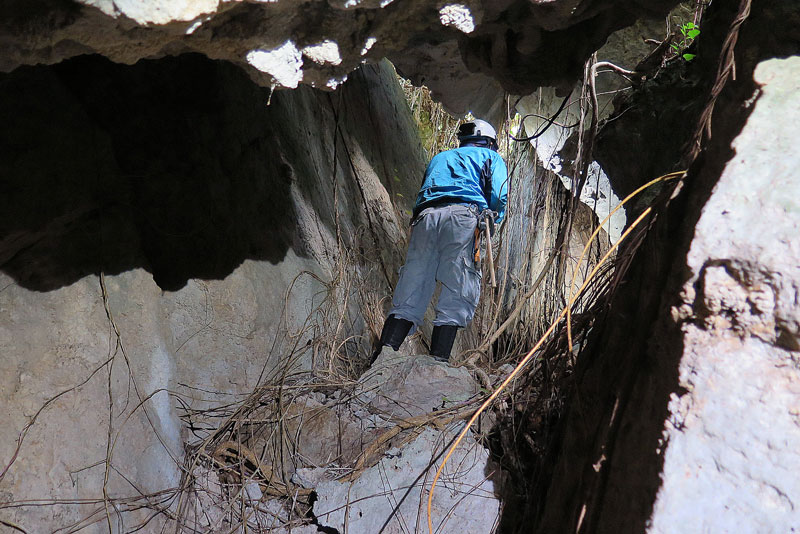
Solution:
(476, 246)
(486, 182)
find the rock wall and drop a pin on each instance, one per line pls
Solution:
(535, 277)
(556, 143)
(733, 426)
(683, 414)
(226, 232)
(173, 235)
(457, 49)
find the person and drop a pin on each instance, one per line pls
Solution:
(461, 186)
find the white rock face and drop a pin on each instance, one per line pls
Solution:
(732, 454)
(624, 48)
(284, 63)
(597, 192)
(208, 341)
(369, 43)
(401, 385)
(211, 334)
(331, 432)
(464, 499)
(458, 16)
(155, 12)
(326, 52)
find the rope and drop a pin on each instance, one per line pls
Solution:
(543, 338)
(670, 176)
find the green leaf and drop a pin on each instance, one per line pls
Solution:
(689, 57)
(675, 47)
(689, 25)
(693, 33)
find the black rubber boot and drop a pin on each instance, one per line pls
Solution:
(394, 332)
(442, 341)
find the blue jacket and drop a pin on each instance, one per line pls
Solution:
(455, 176)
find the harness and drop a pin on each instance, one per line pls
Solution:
(485, 183)
(486, 189)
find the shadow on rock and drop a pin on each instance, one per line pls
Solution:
(172, 165)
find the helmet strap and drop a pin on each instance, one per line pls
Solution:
(482, 142)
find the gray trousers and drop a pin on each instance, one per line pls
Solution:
(441, 249)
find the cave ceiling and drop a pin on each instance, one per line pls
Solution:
(466, 52)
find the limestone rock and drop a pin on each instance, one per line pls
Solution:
(397, 386)
(464, 499)
(455, 48)
(732, 437)
(400, 386)
(555, 147)
(684, 416)
(204, 303)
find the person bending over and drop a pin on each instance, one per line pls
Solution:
(459, 186)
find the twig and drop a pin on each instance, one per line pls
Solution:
(522, 364)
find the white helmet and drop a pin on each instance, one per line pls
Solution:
(475, 130)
